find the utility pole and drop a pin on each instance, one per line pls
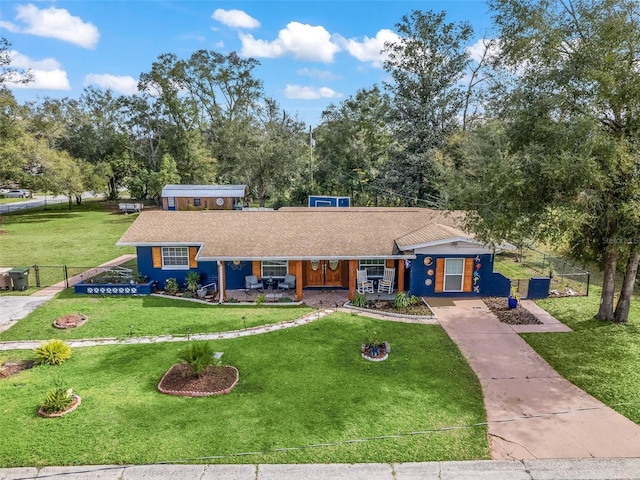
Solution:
(310, 159)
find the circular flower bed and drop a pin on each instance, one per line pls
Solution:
(215, 380)
(71, 320)
(11, 368)
(375, 352)
(75, 402)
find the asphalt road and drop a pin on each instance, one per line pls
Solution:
(40, 201)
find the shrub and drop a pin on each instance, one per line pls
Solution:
(192, 281)
(198, 355)
(260, 299)
(171, 286)
(53, 352)
(403, 300)
(57, 400)
(360, 300)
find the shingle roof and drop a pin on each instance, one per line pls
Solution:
(294, 232)
(237, 191)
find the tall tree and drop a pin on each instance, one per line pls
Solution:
(8, 72)
(352, 147)
(569, 132)
(426, 66)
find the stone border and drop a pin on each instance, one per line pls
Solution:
(197, 394)
(231, 304)
(387, 350)
(387, 313)
(75, 402)
(83, 319)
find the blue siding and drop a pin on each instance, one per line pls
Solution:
(235, 274)
(486, 282)
(208, 270)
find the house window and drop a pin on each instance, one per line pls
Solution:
(196, 202)
(373, 266)
(175, 258)
(453, 274)
(275, 268)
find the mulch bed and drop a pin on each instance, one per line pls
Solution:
(214, 381)
(512, 316)
(71, 320)
(11, 368)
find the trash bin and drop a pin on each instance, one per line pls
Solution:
(20, 278)
(5, 280)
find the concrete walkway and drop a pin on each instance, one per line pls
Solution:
(532, 411)
(574, 469)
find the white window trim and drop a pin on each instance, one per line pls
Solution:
(286, 265)
(366, 266)
(175, 267)
(445, 275)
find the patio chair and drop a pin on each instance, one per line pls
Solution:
(364, 285)
(288, 282)
(251, 282)
(388, 280)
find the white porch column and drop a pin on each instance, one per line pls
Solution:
(221, 282)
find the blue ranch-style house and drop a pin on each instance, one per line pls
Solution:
(428, 251)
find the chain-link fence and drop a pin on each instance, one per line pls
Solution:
(566, 278)
(42, 276)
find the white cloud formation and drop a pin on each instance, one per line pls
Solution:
(300, 41)
(235, 18)
(46, 74)
(299, 92)
(123, 84)
(54, 23)
(316, 73)
(370, 49)
(477, 50)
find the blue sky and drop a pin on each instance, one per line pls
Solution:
(311, 53)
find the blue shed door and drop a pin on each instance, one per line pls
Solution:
(171, 203)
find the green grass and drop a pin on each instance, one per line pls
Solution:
(10, 200)
(599, 357)
(112, 317)
(83, 237)
(507, 266)
(298, 387)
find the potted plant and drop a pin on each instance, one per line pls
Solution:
(514, 298)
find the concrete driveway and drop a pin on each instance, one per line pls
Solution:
(13, 308)
(532, 411)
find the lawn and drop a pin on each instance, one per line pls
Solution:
(82, 237)
(141, 316)
(601, 358)
(298, 387)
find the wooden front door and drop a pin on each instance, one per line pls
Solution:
(323, 273)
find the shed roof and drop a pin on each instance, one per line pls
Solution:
(236, 191)
(295, 233)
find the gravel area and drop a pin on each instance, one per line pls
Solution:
(512, 316)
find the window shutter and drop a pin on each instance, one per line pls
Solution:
(439, 287)
(256, 268)
(467, 281)
(193, 251)
(156, 255)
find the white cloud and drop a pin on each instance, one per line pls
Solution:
(122, 84)
(370, 49)
(477, 50)
(300, 92)
(46, 74)
(235, 18)
(316, 73)
(300, 41)
(54, 23)
(10, 27)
